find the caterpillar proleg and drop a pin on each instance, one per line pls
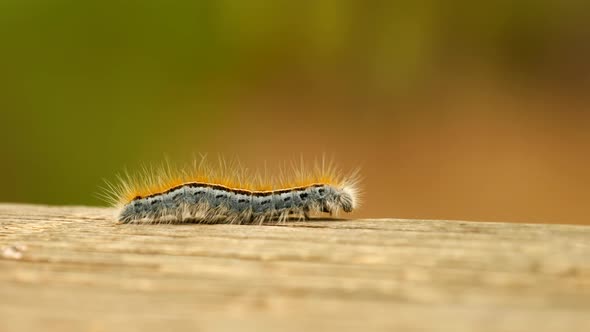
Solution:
(230, 194)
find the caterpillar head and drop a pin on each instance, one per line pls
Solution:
(335, 199)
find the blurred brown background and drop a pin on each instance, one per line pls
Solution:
(454, 109)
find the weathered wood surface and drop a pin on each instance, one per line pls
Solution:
(74, 269)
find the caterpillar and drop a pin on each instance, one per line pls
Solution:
(228, 193)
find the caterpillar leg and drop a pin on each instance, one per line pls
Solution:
(306, 213)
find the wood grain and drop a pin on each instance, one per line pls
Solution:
(74, 269)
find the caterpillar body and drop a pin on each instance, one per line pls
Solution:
(225, 195)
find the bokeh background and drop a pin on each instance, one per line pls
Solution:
(453, 109)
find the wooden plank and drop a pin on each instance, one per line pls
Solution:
(73, 269)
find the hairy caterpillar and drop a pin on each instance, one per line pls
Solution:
(229, 194)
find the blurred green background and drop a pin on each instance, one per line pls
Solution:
(454, 109)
